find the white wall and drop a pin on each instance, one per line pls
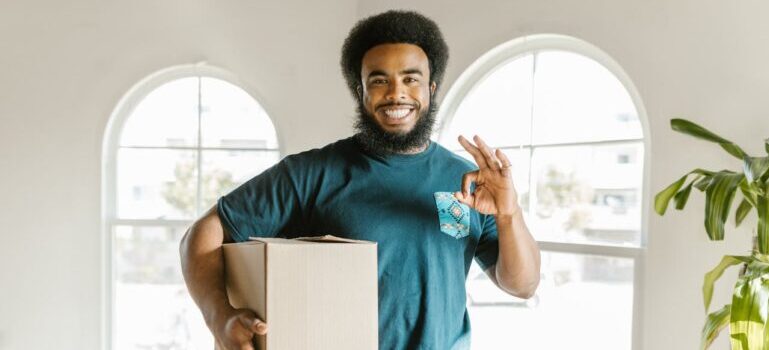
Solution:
(63, 68)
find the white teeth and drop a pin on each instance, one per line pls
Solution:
(397, 113)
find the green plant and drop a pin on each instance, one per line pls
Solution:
(748, 313)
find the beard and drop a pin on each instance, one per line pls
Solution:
(376, 140)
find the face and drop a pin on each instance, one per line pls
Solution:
(396, 86)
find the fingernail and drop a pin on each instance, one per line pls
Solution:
(261, 327)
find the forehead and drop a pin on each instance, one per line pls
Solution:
(392, 58)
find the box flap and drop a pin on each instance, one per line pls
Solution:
(331, 239)
(268, 240)
(316, 239)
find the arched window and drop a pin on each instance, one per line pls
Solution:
(177, 141)
(570, 121)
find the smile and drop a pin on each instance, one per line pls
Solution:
(399, 113)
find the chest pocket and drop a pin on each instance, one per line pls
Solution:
(453, 216)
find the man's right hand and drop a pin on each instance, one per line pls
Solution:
(203, 268)
(236, 330)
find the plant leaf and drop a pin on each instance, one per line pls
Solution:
(686, 127)
(662, 199)
(762, 206)
(750, 309)
(715, 274)
(718, 202)
(755, 167)
(714, 323)
(703, 183)
(742, 211)
(749, 193)
(683, 195)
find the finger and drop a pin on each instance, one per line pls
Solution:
(491, 160)
(467, 181)
(259, 327)
(506, 163)
(469, 200)
(474, 151)
(253, 324)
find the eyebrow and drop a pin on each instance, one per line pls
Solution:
(411, 71)
(403, 72)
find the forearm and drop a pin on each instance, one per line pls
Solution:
(203, 267)
(518, 265)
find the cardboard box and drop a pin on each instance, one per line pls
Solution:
(314, 293)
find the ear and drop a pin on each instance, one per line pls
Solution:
(433, 86)
(359, 91)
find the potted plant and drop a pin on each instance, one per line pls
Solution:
(748, 313)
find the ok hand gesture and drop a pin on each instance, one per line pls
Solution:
(494, 191)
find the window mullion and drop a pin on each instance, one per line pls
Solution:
(198, 153)
(532, 189)
(590, 249)
(149, 222)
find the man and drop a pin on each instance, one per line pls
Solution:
(390, 184)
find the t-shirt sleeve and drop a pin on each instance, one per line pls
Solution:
(261, 207)
(487, 251)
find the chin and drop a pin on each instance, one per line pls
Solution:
(398, 131)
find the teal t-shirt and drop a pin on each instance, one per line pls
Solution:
(426, 239)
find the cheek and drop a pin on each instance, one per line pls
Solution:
(371, 96)
(422, 94)
(367, 100)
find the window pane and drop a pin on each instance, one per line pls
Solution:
(587, 193)
(498, 108)
(168, 116)
(231, 118)
(225, 170)
(577, 99)
(153, 309)
(574, 288)
(520, 161)
(156, 184)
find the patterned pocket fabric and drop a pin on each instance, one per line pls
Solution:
(454, 216)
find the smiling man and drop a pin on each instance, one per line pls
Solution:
(390, 184)
(394, 115)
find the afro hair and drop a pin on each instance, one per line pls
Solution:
(393, 27)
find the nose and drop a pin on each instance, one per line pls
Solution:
(395, 91)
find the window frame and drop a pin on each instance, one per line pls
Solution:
(110, 146)
(531, 44)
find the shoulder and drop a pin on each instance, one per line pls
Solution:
(453, 160)
(330, 155)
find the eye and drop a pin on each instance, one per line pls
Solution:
(410, 80)
(378, 81)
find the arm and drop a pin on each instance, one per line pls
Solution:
(203, 270)
(518, 263)
(517, 268)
